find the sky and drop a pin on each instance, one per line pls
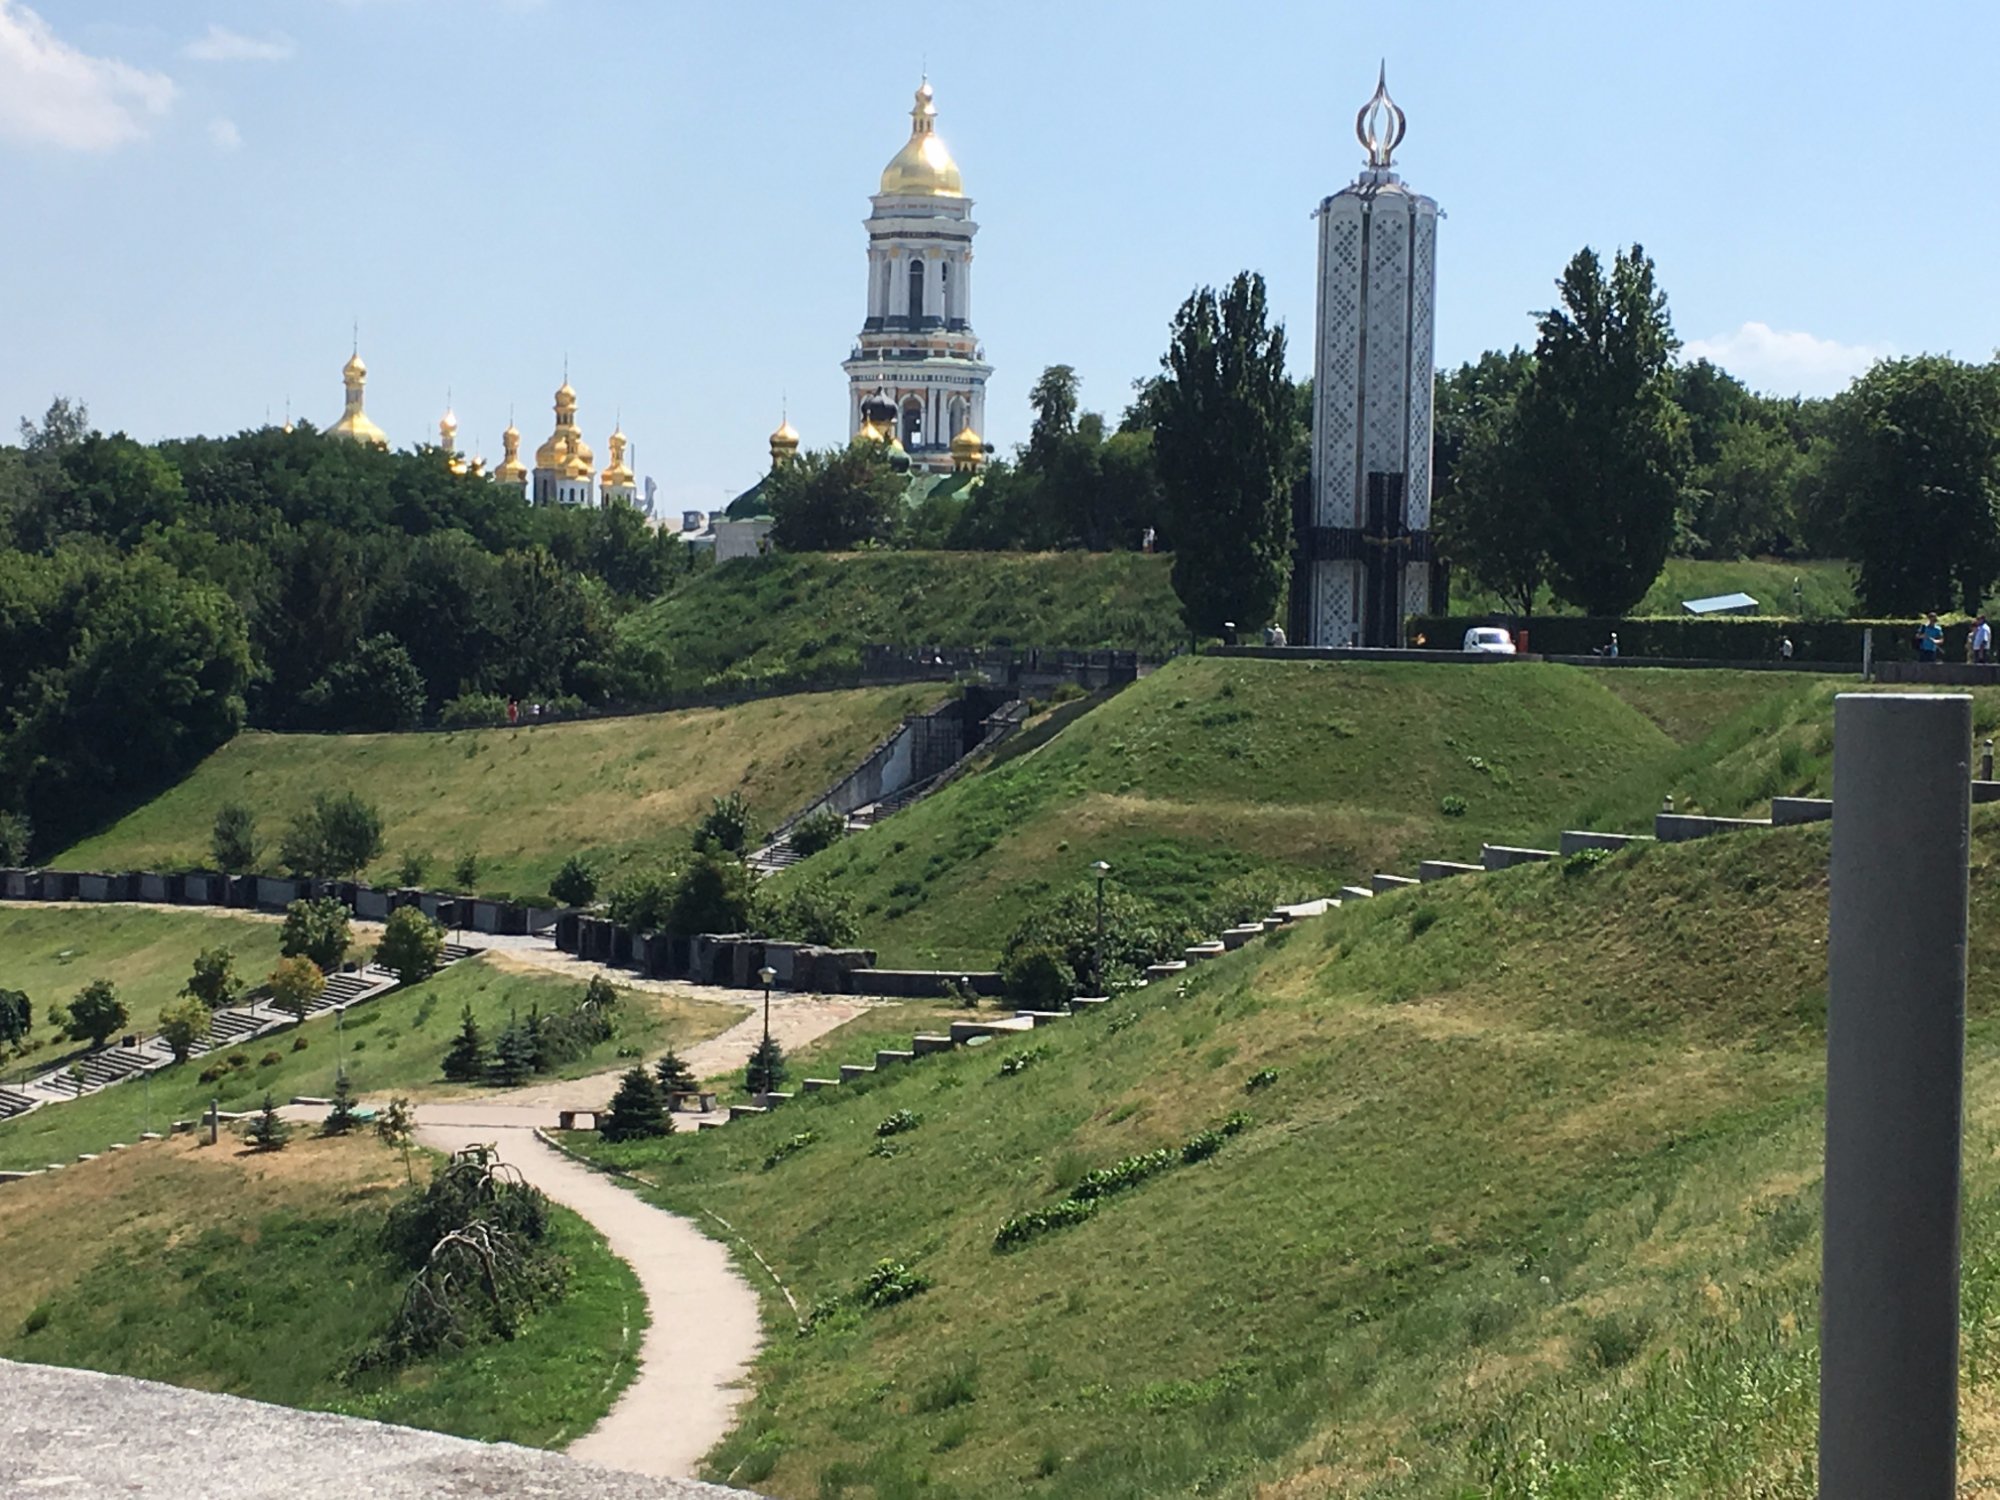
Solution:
(205, 197)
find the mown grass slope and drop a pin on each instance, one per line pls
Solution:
(263, 1275)
(1212, 767)
(521, 800)
(1527, 1206)
(391, 1045)
(52, 952)
(792, 615)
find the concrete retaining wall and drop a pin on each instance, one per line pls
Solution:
(1574, 840)
(1505, 856)
(1678, 828)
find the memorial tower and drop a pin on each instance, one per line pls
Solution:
(1363, 563)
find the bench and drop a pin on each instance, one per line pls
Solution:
(692, 1101)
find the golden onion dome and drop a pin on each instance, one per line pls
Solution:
(923, 168)
(968, 449)
(870, 433)
(618, 472)
(354, 370)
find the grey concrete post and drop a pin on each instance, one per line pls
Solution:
(1986, 762)
(1894, 1089)
(1868, 654)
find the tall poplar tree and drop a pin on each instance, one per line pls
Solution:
(1226, 443)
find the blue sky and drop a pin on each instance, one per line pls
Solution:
(203, 194)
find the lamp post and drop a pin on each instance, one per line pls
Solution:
(1100, 870)
(767, 974)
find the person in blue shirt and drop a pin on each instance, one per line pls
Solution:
(1930, 639)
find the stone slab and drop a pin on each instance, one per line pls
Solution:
(851, 1071)
(1575, 840)
(1385, 883)
(1678, 828)
(925, 1045)
(1787, 811)
(1444, 869)
(1506, 856)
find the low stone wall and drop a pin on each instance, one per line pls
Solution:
(1678, 828)
(1575, 840)
(920, 984)
(1786, 811)
(1506, 856)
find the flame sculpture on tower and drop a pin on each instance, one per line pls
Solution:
(1364, 559)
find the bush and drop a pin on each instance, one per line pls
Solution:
(413, 868)
(1037, 978)
(16, 834)
(1584, 861)
(713, 895)
(1263, 1078)
(787, 1148)
(270, 1059)
(902, 1120)
(376, 687)
(637, 1111)
(819, 829)
(1452, 805)
(575, 883)
(806, 911)
(295, 983)
(411, 945)
(727, 826)
(1136, 933)
(473, 711)
(232, 843)
(318, 930)
(1024, 1227)
(95, 1013)
(334, 838)
(1248, 897)
(183, 1024)
(891, 1282)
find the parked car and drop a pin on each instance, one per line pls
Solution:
(1489, 640)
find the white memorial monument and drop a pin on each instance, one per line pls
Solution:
(1364, 555)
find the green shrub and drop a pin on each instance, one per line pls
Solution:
(1452, 805)
(411, 945)
(786, 1148)
(1584, 861)
(1020, 1062)
(473, 711)
(727, 826)
(1037, 978)
(806, 911)
(820, 829)
(1136, 933)
(890, 1282)
(902, 1120)
(1021, 1228)
(1263, 1078)
(575, 883)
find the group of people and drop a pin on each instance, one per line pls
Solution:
(1929, 641)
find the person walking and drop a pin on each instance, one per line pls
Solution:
(1982, 641)
(1930, 640)
(1785, 649)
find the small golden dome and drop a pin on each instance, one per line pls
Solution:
(565, 397)
(618, 472)
(785, 437)
(923, 168)
(870, 433)
(968, 450)
(354, 371)
(448, 424)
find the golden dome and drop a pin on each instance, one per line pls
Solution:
(510, 468)
(870, 433)
(618, 472)
(354, 424)
(784, 444)
(354, 371)
(448, 427)
(923, 168)
(968, 450)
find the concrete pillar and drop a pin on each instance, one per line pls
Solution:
(1894, 1089)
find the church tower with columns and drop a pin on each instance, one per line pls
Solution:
(1363, 563)
(917, 374)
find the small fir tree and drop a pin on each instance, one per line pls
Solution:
(340, 1119)
(466, 1061)
(513, 1056)
(766, 1069)
(267, 1131)
(637, 1111)
(675, 1076)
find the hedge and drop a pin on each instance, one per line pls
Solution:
(1688, 638)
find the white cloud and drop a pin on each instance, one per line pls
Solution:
(1786, 361)
(220, 44)
(224, 134)
(56, 95)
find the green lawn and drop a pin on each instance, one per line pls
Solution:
(51, 953)
(1825, 588)
(1529, 1208)
(391, 1045)
(520, 800)
(263, 1275)
(790, 615)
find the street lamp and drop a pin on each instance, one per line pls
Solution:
(767, 974)
(1100, 870)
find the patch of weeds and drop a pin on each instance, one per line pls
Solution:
(956, 1385)
(1119, 1022)
(37, 1319)
(902, 1120)
(1452, 805)
(1422, 920)
(786, 1148)
(1263, 1078)
(1478, 763)
(890, 1282)
(1020, 1062)
(1584, 861)
(885, 1149)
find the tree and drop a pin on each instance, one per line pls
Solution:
(766, 1068)
(17, 833)
(465, 1061)
(1495, 519)
(513, 1061)
(1913, 474)
(1054, 399)
(1226, 443)
(268, 1132)
(335, 837)
(1136, 933)
(95, 1013)
(376, 687)
(674, 1075)
(819, 829)
(395, 1127)
(183, 1024)
(466, 871)
(575, 883)
(713, 896)
(295, 983)
(233, 842)
(727, 825)
(1598, 427)
(806, 910)
(637, 1111)
(341, 1118)
(835, 499)
(16, 1015)
(213, 981)
(411, 945)
(318, 930)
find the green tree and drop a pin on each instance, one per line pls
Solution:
(1913, 474)
(835, 499)
(465, 1060)
(411, 945)
(213, 981)
(396, 1127)
(803, 910)
(575, 883)
(268, 1132)
(95, 1014)
(1491, 510)
(16, 1015)
(1598, 426)
(335, 837)
(183, 1024)
(319, 930)
(232, 844)
(1054, 401)
(713, 895)
(465, 871)
(295, 983)
(513, 1060)
(766, 1069)
(636, 1112)
(17, 834)
(674, 1075)
(1136, 933)
(727, 825)
(819, 829)
(1226, 443)
(375, 688)
(341, 1118)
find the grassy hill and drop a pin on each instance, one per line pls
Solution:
(390, 1045)
(1527, 1206)
(264, 1276)
(520, 799)
(787, 616)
